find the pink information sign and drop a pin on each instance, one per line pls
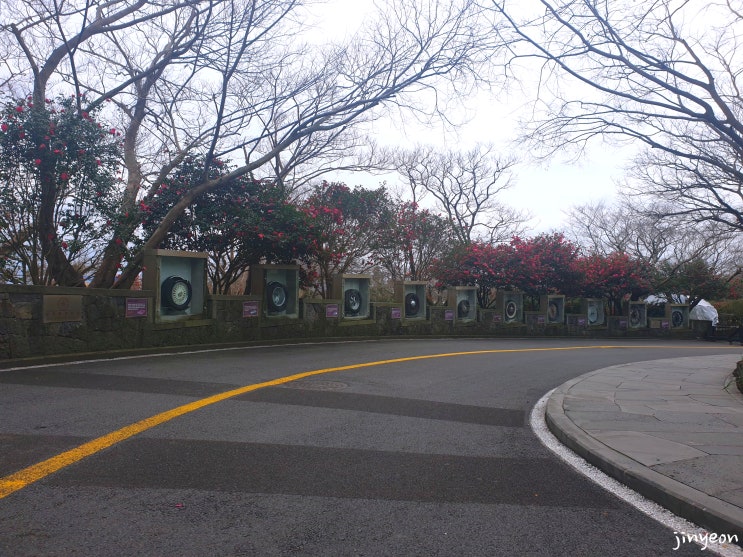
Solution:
(251, 308)
(136, 307)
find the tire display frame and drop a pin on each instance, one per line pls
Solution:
(595, 311)
(178, 280)
(678, 316)
(354, 293)
(553, 305)
(463, 300)
(412, 296)
(637, 313)
(278, 286)
(510, 305)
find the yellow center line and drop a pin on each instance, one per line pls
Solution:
(21, 479)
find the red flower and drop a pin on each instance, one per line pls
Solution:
(37, 162)
(4, 127)
(64, 176)
(19, 109)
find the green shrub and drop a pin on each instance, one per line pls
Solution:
(732, 307)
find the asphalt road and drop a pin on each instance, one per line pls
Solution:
(414, 456)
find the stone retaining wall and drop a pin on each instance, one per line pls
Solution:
(95, 320)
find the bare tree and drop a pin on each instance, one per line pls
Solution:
(414, 240)
(626, 227)
(664, 74)
(226, 78)
(465, 187)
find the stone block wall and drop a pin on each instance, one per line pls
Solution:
(99, 322)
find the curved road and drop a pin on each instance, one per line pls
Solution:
(382, 450)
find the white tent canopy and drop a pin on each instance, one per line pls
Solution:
(703, 311)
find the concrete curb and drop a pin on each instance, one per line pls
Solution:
(702, 509)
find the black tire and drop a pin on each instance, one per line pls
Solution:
(553, 312)
(412, 305)
(276, 297)
(463, 308)
(352, 302)
(677, 318)
(167, 289)
(511, 310)
(593, 314)
(635, 317)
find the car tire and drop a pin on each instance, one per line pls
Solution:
(412, 305)
(176, 293)
(463, 308)
(276, 297)
(352, 302)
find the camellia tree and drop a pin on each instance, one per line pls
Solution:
(414, 240)
(57, 189)
(346, 225)
(245, 222)
(539, 265)
(487, 266)
(545, 264)
(612, 277)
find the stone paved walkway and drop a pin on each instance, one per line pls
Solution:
(669, 429)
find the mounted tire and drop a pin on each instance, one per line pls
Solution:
(635, 317)
(352, 302)
(412, 305)
(512, 310)
(677, 318)
(176, 293)
(276, 297)
(463, 309)
(553, 312)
